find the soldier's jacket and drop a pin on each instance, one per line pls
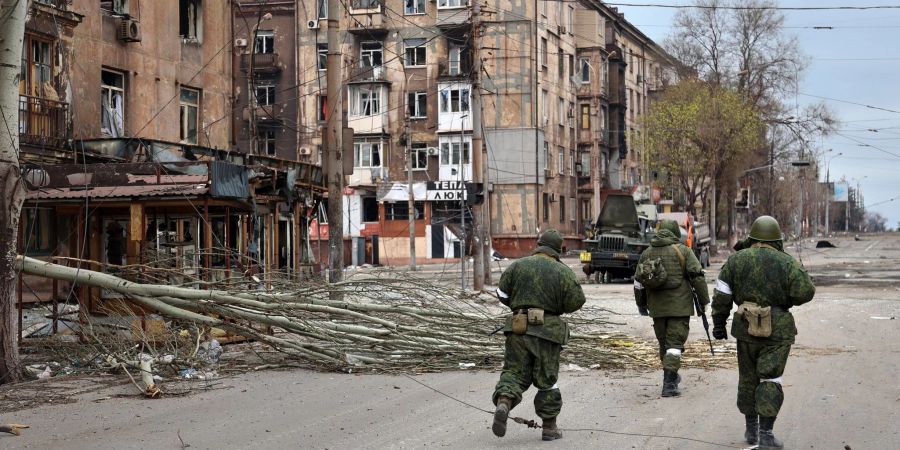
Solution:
(542, 281)
(675, 299)
(767, 277)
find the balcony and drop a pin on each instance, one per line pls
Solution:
(262, 62)
(264, 113)
(371, 74)
(367, 21)
(459, 71)
(43, 122)
(453, 17)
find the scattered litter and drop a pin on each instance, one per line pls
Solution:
(881, 318)
(825, 244)
(212, 349)
(464, 366)
(188, 373)
(45, 374)
(572, 367)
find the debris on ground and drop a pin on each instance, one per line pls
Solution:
(825, 244)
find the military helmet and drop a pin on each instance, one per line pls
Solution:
(551, 238)
(765, 229)
(669, 225)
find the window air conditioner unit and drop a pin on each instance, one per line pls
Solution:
(432, 151)
(129, 30)
(240, 42)
(305, 151)
(312, 24)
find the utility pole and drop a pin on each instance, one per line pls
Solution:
(477, 170)
(12, 34)
(411, 201)
(334, 127)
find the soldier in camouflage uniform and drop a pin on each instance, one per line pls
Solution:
(671, 304)
(539, 281)
(765, 276)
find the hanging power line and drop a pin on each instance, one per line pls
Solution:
(848, 102)
(756, 8)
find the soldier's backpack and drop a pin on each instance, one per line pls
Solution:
(652, 273)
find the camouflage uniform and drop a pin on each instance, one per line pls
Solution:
(537, 281)
(762, 274)
(672, 304)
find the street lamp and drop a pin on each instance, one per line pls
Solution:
(847, 209)
(828, 197)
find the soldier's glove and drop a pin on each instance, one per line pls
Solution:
(643, 311)
(719, 332)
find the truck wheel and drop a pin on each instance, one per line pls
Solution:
(607, 277)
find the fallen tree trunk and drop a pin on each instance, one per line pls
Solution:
(385, 321)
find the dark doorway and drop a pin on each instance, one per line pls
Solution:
(437, 241)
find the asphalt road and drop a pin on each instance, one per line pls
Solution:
(841, 388)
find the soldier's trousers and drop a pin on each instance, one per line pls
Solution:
(672, 333)
(531, 360)
(760, 368)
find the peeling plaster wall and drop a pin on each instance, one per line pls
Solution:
(155, 68)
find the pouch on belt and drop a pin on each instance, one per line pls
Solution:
(759, 319)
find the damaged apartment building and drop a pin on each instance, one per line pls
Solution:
(563, 86)
(126, 112)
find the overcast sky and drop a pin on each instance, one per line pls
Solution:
(857, 61)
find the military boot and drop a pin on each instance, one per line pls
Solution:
(751, 435)
(504, 404)
(670, 384)
(549, 432)
(767, 440)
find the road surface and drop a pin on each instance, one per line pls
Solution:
(841, 387)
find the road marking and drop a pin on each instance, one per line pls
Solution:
(872, 245)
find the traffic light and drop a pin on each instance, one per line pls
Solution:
(474, 193)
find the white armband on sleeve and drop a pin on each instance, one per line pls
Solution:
(638, 285)
(723, 287)
(502, 294)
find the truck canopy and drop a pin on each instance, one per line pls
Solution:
(619, 213)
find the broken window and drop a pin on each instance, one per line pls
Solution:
(37, 231)
(265, 42)
(369, 209)
(322, 61)
(452, 151)
(584, 65)
(266, 141)
(265, 94)
(189, 20)
(322, 108)
(454, 100)
(112, 103)
(400, 210)
(416, 101)
(37, 65)
(190, 114)
(365, 100)
(114, 6)
(415, 52)
(414, 7)
(370, 54)
(457, 60)
(419, 156)
(115, 243)
(367, 154)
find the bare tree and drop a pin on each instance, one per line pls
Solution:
(12, 32)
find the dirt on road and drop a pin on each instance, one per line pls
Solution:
(841, 389)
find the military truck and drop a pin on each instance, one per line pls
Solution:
(693, 234)
(615, 242)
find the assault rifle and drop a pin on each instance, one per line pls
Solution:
(700, 313)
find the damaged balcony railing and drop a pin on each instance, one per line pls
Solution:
(43, 121)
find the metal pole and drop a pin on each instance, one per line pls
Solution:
(477, 170)
(411, 201)
(462, 204)
(334, 137)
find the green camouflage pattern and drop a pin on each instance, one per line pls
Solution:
(542, 281)
(759, 361)
(675, 298)
(767, 277)
(530, 361)
(671, 332)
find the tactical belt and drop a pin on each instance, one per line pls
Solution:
(525, 311)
